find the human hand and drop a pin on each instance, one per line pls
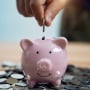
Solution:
(40, 9)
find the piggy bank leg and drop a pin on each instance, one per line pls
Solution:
(57, 83)
(31, 83)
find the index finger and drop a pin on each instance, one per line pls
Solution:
(37, 7)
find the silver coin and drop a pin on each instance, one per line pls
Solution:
(10, 89)
(68, 77)
(4, 86)
(2, 80)
(21, 84)
(8, 64)
(2, 73)
(22, 88)
(17, 76)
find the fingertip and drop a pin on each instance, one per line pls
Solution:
(40, 24)
(25, 15)
(48, 20)
(48, 24)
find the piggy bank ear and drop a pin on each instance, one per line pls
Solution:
(25, 44)
(61, 41)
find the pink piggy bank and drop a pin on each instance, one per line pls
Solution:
(44, 61)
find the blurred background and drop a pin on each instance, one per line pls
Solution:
(73, 22)
(76, 20)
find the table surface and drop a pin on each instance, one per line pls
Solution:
(78, 53)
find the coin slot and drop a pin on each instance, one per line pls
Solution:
(50, 52)
(37, 52)
(43, 38)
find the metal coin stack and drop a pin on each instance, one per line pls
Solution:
(12, 78)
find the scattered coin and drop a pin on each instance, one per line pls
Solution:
(8, 64)
(21, 84)
(75, 82)
(10, 89)
(11, 80)
(4, 86)
(17, 76)
(2, 80)
(43, 38)
(68, 77)
(2, 73)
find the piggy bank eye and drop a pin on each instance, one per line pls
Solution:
(50, 52)
(37, 52)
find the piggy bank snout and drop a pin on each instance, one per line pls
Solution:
(44, 65)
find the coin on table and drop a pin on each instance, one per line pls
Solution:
(8, 64)
(10, 89)
(11, 80)
(22, 88)
(17, 76)
(2, 73)
(5, 86)
(21, 84)
(2, 80)
(68, 77)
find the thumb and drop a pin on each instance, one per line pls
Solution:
(53, 8)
